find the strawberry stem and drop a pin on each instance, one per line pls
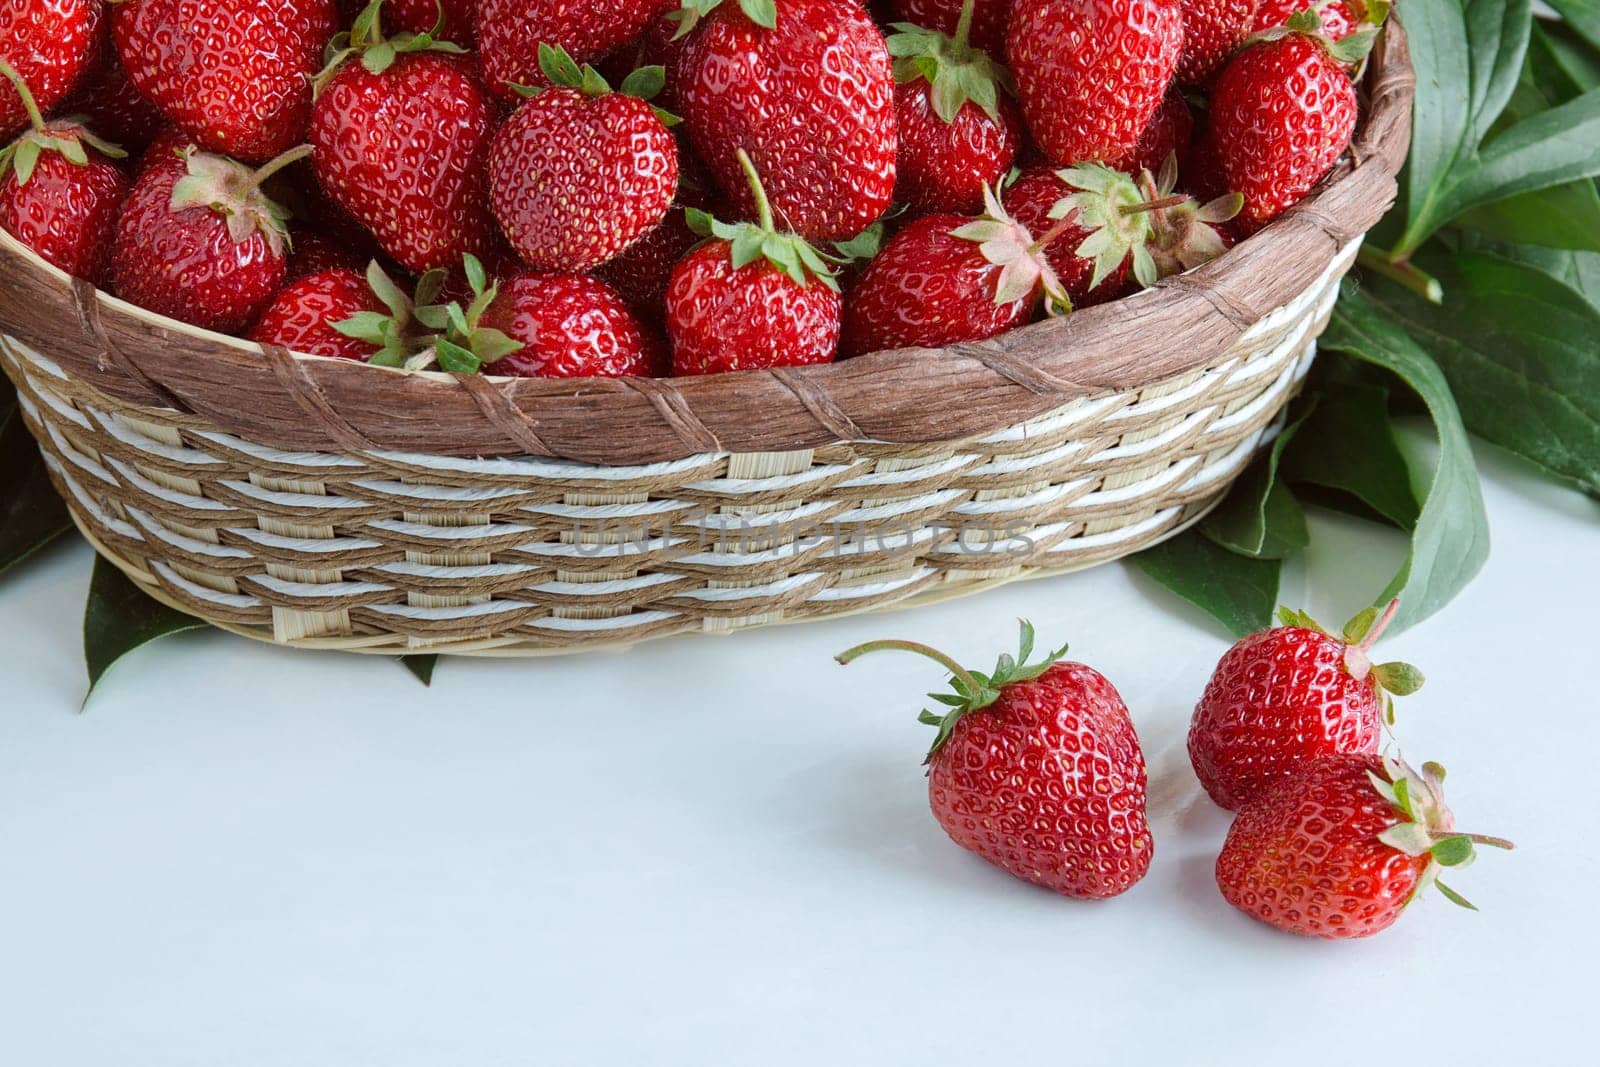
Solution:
(763, 205)
(29, 104)
(1492, 842)
(956, 670)
(1155, 205)
(1380, 625)
(1061, 226)
(288, 159)
(964, 23)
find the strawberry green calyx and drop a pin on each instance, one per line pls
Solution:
(763, 13)
(1360, 634)
(1008, 244)
(563, 71)
(1109, 204)
(235, 192)
(972, 690)
(460, 343)
(957, 71)
(750, 241)
(378, 53)
(392, 333)
(66, 138)
(1184, 232)
(1308, 23)
(1426, 826)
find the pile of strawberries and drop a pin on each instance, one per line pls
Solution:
(576, 188)
(1036, 768)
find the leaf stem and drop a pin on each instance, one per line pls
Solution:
(956, 670)
(1401, 271)
(763, 205)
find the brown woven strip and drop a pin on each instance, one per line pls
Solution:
(86, 301)
(676, 413)
(1241, 315)
(506, 416)
(1017, 370)
(821, 404)
(291, 374)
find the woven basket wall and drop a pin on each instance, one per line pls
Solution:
(327, 504)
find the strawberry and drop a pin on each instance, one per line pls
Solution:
(1341, 847)
(446, 20)
(1170, 133)
(1091, 73)
(200, 242)
(511, 31)
(1037, 769)
(640, 274)
(957, 133)
(60, 190)
(51, 45)
(401, 130)
(314, 252)
(945, 279)
(1185, 233)
(1282, 114)
(342, 314)
(806, 88)
(579, 172)
(751, 297)
(113, 108)
(1212, 31)
(1340, 18)
(988, 19)
(233, 74)
(1283, 697)
(658, 46)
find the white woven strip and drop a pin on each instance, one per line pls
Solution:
(328, 545)
(205, 594)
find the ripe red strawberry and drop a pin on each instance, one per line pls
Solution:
(1286, 696)
(422, 16)
(579, 173)
(1170, 133)
(200, 242)
(343, 314)
(1282, 114)
(658, 46)
(233, 74)
(809, 96)
(945, 279)
(401, 130)
(113, 108)
(52, 45)
(958, 134)
(1212, 31)
(60, 191)
(511, 31)
(641, 273)
(1091, 73)
(1339, 849)
(571, 326)
(313, 252)
(988, 19)
(1051, 202)
(750, 298)
(1340, 18)
(1038, 770)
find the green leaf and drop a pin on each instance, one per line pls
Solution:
(421, 666)
(1583, 16)
(1260, 517)
(120, 619)
(1519, 350)
(1347, 444)
(1451, 539)
(763, 13)
(1578, 271)
(1401, 679)
(31, 514)
(1237, 591)
(1567, 216)
(1455, 898)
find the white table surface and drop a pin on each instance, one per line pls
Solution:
(719, 851)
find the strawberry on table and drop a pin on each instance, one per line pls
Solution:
(1038, 770)
(579, 172)
(200, 242)
(1286, 696)
(958, 129)
(1341, 847)
(1091, 73)
(805, 87)
(401, 128)
(233, 74)
(343, 314)
(1282, 114)
(52, 45)
(511, 31)
(751, 297)
(60, 189)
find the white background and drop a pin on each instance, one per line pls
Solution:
(718, 851)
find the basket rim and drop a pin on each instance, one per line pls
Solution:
(906, 396)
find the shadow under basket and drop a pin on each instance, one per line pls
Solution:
(328, 504)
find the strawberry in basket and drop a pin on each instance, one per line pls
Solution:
(60, 189)
(51, 45)
(510, 33)
(345, 315)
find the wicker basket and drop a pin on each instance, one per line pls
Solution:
(321, 503)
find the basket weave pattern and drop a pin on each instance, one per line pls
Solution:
(539, 539)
